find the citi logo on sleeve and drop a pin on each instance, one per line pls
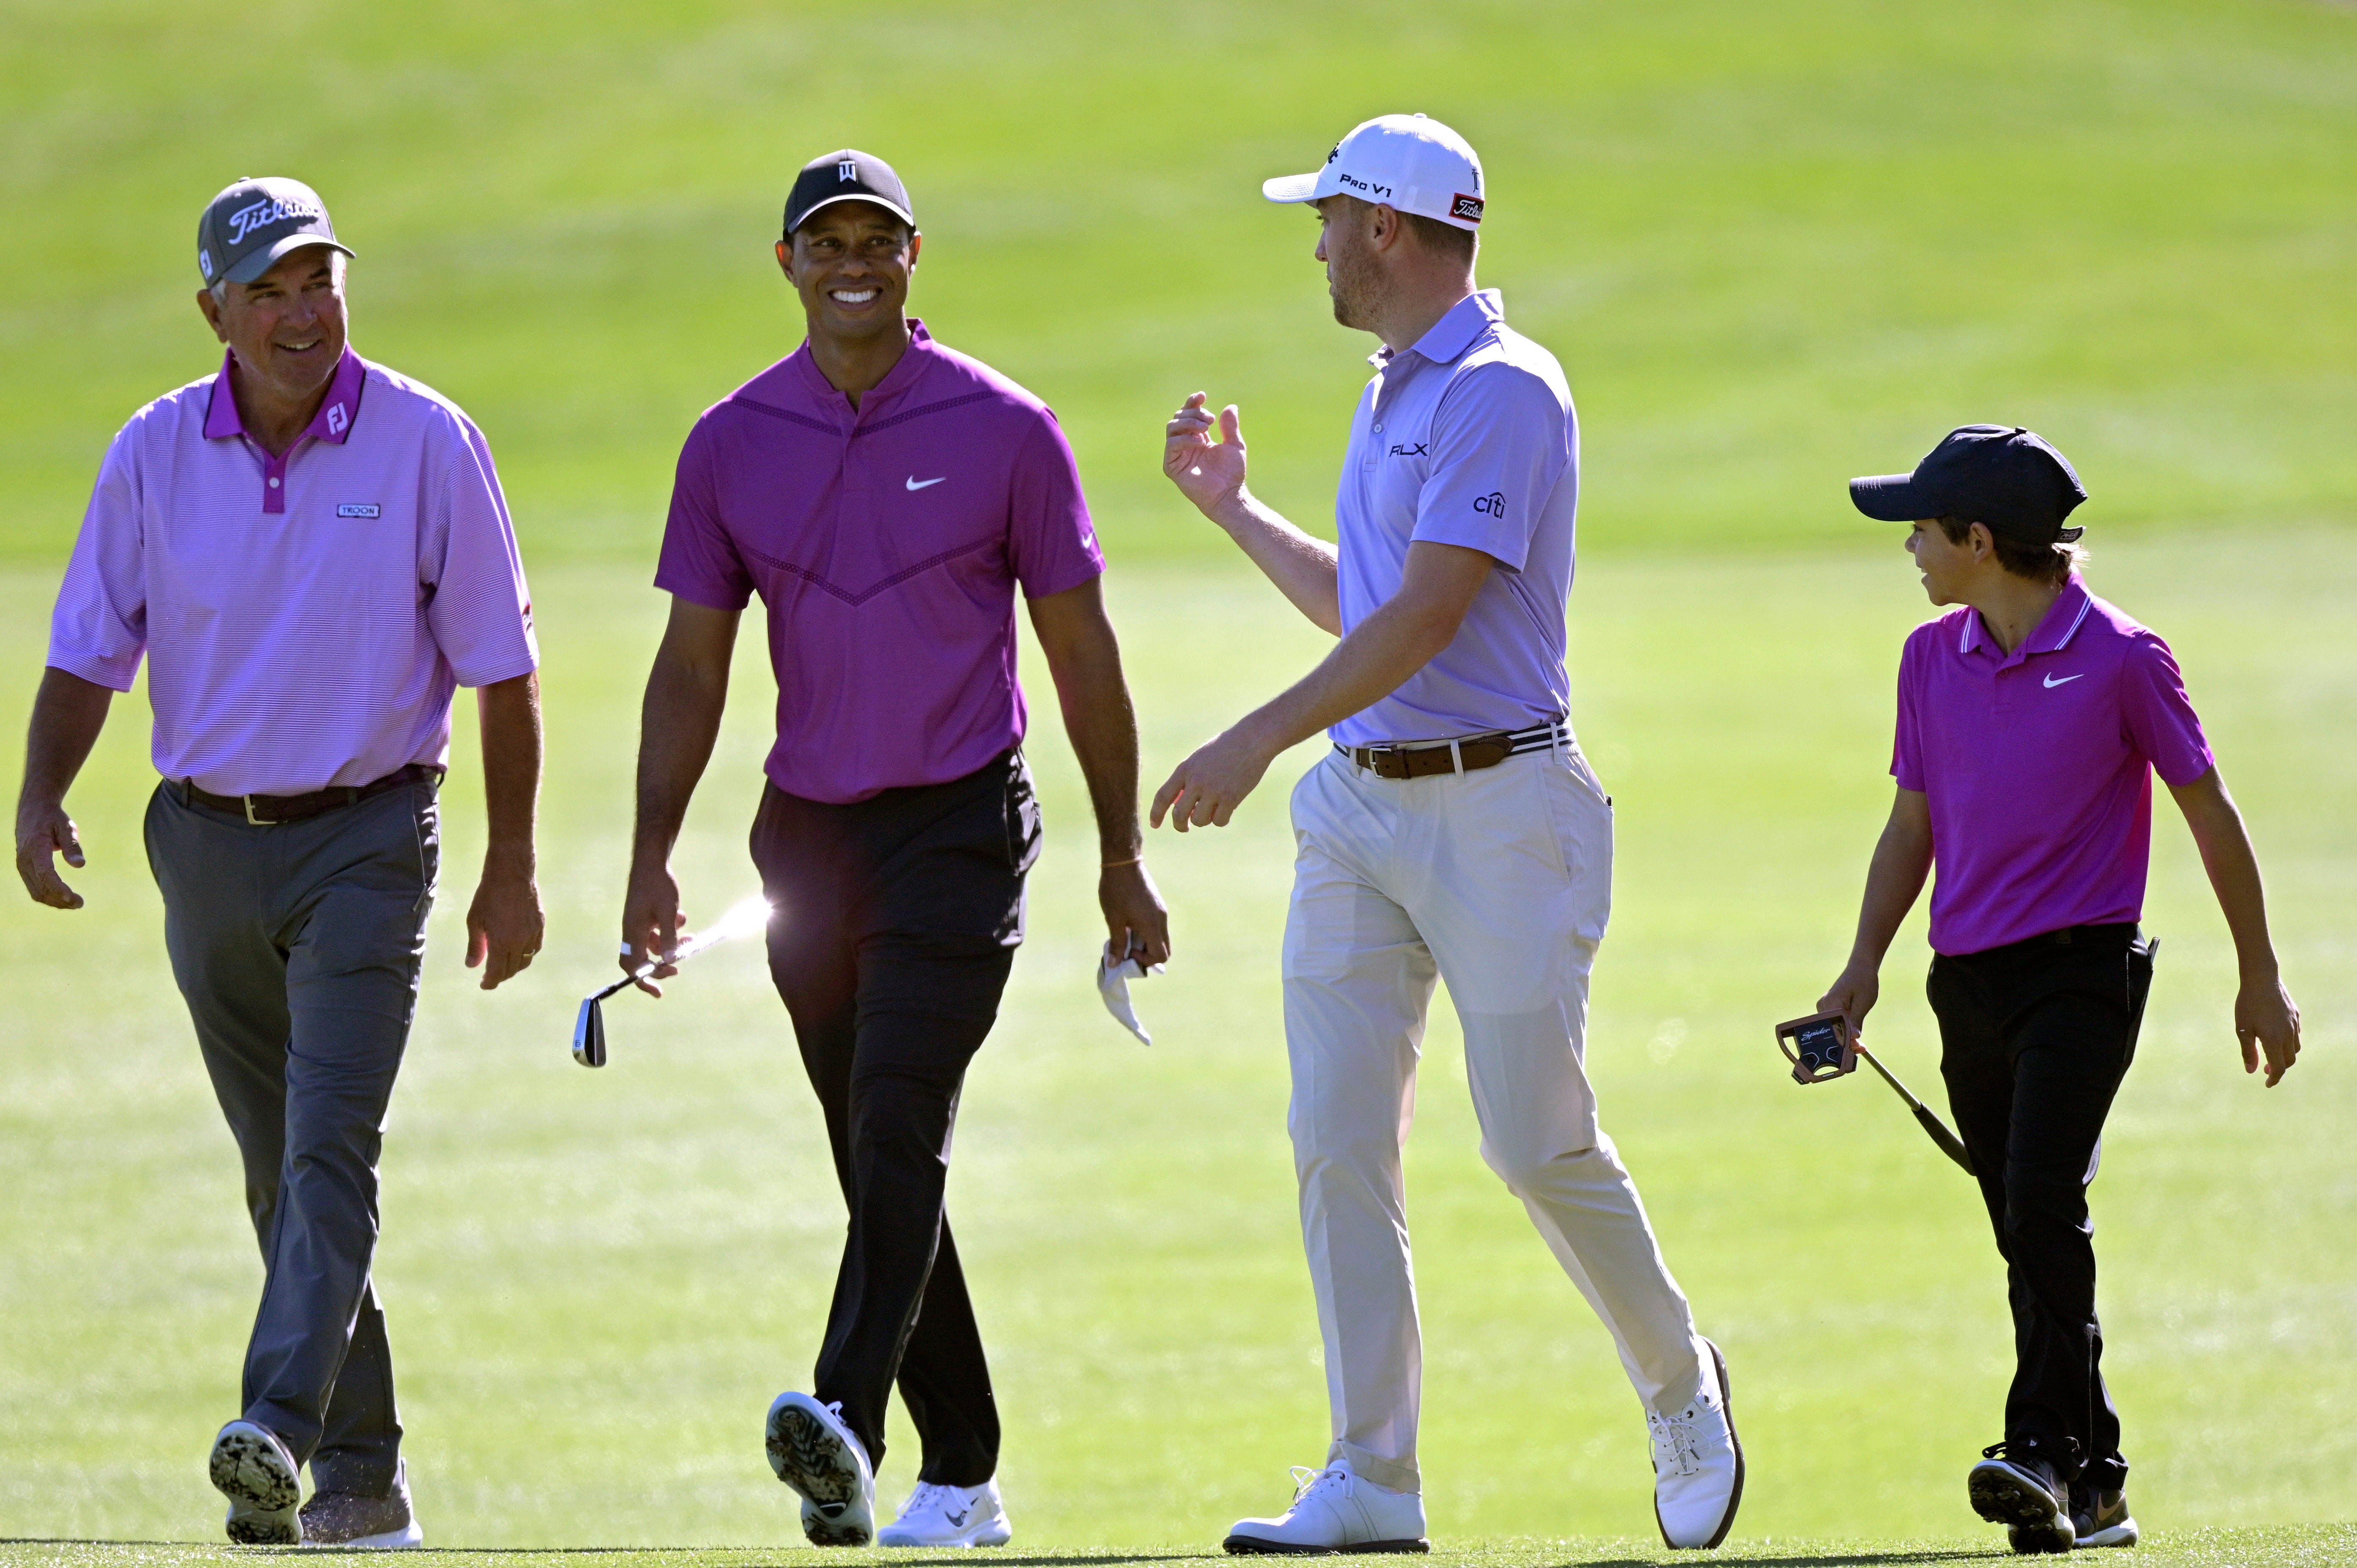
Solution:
(360, 509)
(1495, 504)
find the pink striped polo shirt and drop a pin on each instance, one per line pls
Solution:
(307, 617)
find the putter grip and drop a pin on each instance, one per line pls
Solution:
(1949, 1144)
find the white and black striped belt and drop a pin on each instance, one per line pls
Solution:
(1423, 758)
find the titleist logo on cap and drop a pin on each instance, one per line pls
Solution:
(270, 210)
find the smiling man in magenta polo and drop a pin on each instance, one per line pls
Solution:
(2031, 719)
(886, 498)
(312, 553)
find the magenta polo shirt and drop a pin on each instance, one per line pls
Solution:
(887, 542)
(305, 618)
(2038, 765)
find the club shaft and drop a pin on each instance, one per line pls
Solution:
(1927, 1118)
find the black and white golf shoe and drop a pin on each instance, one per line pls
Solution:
(2101, 1518)
(818, 1455)
(258, 1475)
(2018, 1488)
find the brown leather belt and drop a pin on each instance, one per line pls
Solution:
(1421, 759)
(268, 811)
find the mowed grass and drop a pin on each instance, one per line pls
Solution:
(2311, 1546)
(596, 1281)
(1773, 244)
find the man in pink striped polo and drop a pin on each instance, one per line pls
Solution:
(312, 553)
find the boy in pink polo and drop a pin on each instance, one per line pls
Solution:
(2031, 718)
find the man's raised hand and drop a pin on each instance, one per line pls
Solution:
(1211, 473)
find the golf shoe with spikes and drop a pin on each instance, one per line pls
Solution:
(818, 1455)
(363, 1520)
(2018, 1488)
(258, 1475)
(1698, 1463)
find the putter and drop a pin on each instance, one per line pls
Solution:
(1821, 1047)
(590, 1024)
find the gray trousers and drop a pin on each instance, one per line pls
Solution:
(299, 947)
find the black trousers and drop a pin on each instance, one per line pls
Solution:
(898, 920)
(2035, 1038)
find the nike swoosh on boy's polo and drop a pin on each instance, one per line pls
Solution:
(891, 615)
(2042, 808)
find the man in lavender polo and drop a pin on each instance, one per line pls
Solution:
(886, 498)
(1453, 829)
(311, 551)
(2031, 719)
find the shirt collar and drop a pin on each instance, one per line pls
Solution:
(1454, 333)
(906, 370)
(338, 412)
(2054, 632)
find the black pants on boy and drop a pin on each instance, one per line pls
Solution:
(2035, 1038)
(898, 920)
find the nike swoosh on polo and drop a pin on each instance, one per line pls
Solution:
(917, 484)
(2052, 682)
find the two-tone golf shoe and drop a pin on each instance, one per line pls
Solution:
(2020, 1488)
(2100, 1518)
(1334, 1510)
(257, 1474)
(818, 1455)
(1697, 1463)
(370, 1521)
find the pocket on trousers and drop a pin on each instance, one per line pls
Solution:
(1579, 817)
(1024, 828)
(426, 819)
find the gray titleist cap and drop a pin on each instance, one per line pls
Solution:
(248, 226)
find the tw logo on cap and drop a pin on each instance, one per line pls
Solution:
(846, 169)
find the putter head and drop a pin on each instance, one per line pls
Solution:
(590, 1034)
(1819, 1047)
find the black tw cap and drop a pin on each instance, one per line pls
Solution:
(2001, 475)
(846, 176)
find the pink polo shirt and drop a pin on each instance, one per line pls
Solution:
(888, 542)
(2038, 765)
(306, 616)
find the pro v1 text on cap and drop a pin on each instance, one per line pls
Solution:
(1404, 161)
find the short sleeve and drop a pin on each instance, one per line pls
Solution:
(481, 612)
(699, 561)
(99, 628)
(1907, 745)
(1051, 544)
(1501, 441)
(2158, 716)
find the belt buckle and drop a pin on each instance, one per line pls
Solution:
(257, 821)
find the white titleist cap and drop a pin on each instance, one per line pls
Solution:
(1404, 161)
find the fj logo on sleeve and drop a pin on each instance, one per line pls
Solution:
(1494, 504)
(917, 484)
(2054, 681)
(360, 509)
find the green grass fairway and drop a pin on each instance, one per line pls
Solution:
(598, 1280)
(1773, 243)
(2312, 1546)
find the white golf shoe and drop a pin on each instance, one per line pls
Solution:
(1334, 1510)
(257, 1474)
(1698, 1464)
(937, 1515)
(815, 1454)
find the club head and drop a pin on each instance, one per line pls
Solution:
(590, 1034)
(1819, 1047)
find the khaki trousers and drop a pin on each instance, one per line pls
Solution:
(1499, 881)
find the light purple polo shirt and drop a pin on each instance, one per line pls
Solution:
(307, 617)
(887, 542)
(2038, 765)
(1467, 439)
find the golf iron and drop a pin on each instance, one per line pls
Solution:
(590, 1024)
(1821, 1047)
